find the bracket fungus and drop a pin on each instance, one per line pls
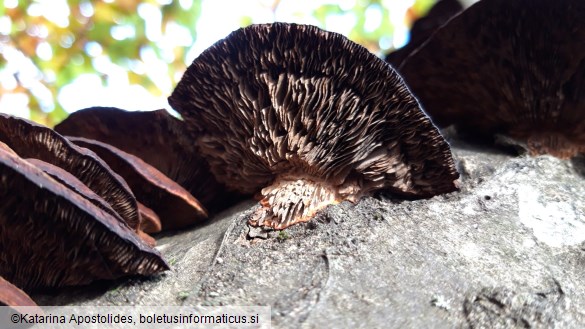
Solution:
(308, 118)
(51, 237)
(175, 207)
(512, 68)
(30, 140)
(76, 186)
(424, 27)
(157, 138)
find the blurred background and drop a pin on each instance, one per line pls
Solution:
(59, 56)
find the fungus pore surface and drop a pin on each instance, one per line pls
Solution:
(515, 68)
(308, 118)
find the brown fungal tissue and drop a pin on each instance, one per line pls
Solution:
(175, 206)
(159, 139)
(30, 140)
(424, 27)
(308, 118)
(149, 220)
(51, 237)
(76, 186)
(512, 68)
(10, 295)
(17, 301)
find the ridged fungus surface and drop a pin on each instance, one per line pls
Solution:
(174, 205)
(513, 68)
(308, 118)
(52, 237)
(159, 139)
(76, 186)
(31, 140)
(424, 27)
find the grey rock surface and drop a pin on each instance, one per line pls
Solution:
(507, 251)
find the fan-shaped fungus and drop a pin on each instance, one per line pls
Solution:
(176, 207)
(76, 186)
(308, 118)
(30, 140)
(515, 68)
(51, 237)
(157, 138)
(149, 220)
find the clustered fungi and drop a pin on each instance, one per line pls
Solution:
(308, 118)
(511, 68)
(301, 117)
(67, 218)
(157, 138)
(175, 206)
(30, 140)
(54, 237)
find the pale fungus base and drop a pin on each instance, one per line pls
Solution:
(543, 141)
(436, 257)
(307, 118)
(510, 68)
(555, 144)
(290, 201)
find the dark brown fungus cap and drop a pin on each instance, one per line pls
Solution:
(70, 181)
(30, 140)
(514, 68)
(424, 27)
(81, 189)
(10, 295)
(159, 139)
(51, 237)
(175, 206)
(308, 118)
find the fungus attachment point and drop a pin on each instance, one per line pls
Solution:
(293, 200)
(555, 144)
(308, 118)
(511, 68)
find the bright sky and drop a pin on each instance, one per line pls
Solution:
(215, 23)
